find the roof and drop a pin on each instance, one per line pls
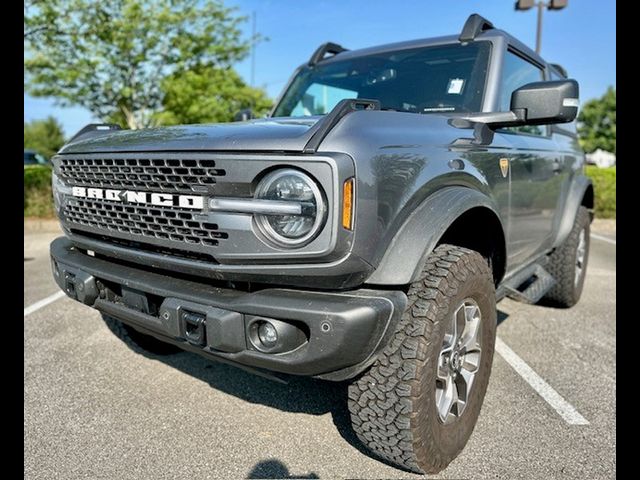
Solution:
(488, 35)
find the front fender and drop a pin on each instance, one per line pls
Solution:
(407, 253)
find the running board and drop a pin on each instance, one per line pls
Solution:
(530, 285)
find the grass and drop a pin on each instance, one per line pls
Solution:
(604, 184)
(38, 197)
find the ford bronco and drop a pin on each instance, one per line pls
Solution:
(361, 232)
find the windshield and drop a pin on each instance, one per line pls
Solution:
(445, 78)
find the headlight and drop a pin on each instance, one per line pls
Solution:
(291, 230)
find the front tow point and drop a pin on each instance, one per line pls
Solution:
(193, 325)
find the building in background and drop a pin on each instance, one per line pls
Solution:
(601, 158)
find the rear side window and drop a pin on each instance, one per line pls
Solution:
(516, 72)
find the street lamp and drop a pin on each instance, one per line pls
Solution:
(551, 5)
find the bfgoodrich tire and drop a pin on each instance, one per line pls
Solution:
(136, 341)
(404, 408)
(568, 263)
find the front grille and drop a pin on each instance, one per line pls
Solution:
(147, 247)
(152, 174)
(159, 223)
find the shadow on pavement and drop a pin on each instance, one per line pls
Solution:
(274, 468)
(299, 395)
(502, 316)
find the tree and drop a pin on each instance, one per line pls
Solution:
(44, 136)
(208, 94)
(597, 123)
(111, 56)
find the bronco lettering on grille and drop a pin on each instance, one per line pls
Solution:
(161, 199)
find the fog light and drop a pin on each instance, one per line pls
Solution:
(267, 334)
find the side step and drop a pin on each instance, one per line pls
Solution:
(534, 286)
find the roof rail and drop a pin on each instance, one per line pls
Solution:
(323, 49)
(473, 27)
(561, 70)
(97, 129)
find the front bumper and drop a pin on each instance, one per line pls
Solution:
(335, 335)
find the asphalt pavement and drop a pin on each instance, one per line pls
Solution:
(95, 409)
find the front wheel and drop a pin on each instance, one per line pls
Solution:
(418, 404)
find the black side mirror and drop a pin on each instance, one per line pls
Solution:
(243, 115)
(546, 102)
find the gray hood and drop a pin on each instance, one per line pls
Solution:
(281, 134)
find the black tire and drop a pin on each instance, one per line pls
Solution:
(136, 341)
(562, 264)
(393, 407)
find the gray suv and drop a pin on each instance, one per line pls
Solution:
(362, 232)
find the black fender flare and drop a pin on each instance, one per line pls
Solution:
(576, 193)
(407, 252)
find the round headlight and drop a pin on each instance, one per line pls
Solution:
(288, 185)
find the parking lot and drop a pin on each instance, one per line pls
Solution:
(96, 409)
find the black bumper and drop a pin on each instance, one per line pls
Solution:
(323, 334)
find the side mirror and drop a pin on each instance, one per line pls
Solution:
(537, 103)
(546, 102)
(243, 115)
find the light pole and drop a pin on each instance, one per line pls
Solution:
(551, 5)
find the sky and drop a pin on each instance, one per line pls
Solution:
(581, 37)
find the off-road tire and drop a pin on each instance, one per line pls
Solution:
(136, 341)
(392, 406)
(562, 264)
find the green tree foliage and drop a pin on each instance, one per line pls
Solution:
(38, 198)
(44, 136)
(604, 186)
(112, 56)
(208, 94)
(597, 123)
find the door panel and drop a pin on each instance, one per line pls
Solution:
(537, 174)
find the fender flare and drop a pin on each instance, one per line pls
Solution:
(407, 252)
(574, 200)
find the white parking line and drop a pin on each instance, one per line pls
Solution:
(604, 239)
(44, 302)
(553, 398)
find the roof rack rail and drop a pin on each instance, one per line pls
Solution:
(561, 70)
(473, 27)
(323, 49)
(97, 128)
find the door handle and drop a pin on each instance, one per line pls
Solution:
(557, 165)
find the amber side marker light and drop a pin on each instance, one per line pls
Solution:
(347, 204)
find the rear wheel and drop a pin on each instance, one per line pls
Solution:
(568, 263)
(137, 341)
(418, 404)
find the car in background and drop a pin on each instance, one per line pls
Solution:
(31, 157)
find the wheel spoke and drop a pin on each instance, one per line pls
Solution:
(448, 398)
(469, 338)
(444, 370)
(466, 379)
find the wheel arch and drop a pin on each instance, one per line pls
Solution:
(444, 217)
(581, 193)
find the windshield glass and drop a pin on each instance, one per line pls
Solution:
(445, 78)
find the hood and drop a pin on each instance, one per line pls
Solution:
(281, 134)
